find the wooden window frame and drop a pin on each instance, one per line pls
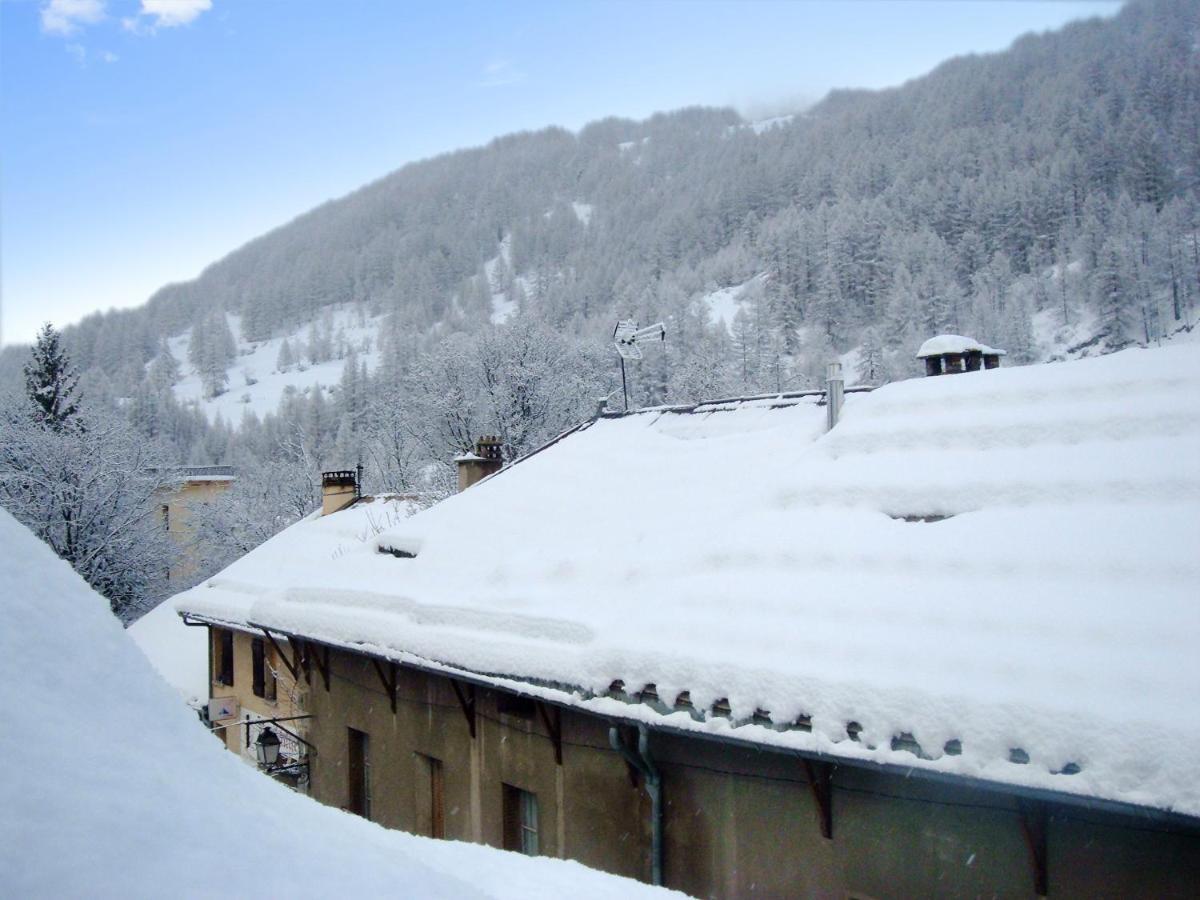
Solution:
(433, 774)
(358, 772)
(223, 667)
(258, 667)
(520, 814)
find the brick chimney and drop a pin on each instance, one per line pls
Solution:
(485, 460)
(339, 489)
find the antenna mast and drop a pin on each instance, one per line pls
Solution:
(627, 337)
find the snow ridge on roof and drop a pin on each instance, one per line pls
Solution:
(744, 555)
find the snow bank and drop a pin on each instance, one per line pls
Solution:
(111, 788)
(179, 653)
(741, 553)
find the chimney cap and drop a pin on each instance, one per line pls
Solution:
(488, 447)
(339, 477)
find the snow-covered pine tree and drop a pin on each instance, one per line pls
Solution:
(164, 368)
(51, 382)
(1110, 287)
(285, 360)
(871, 368)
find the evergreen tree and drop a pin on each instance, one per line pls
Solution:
(285, 360)
(51, 382)
(164, 368)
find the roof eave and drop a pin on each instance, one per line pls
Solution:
(524, 686)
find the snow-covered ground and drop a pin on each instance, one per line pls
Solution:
(750, 556)
(256, 361)
(773, 122)
(110, 787)
(503, 307)
(723, 304)
(583, 211)
(1055, 338)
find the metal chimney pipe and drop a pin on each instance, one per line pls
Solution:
(834, 384)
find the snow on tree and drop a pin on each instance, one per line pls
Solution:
(266, 498)
(872, 368)
(93, 492)
(164, 368)
(285, 360)
(50, 381)
(211, 350)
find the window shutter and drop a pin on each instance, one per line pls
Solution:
(258, 654)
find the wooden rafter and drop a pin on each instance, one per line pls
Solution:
(553, 723)
(820, 780)
(293, 667)
(388, 677)
(466, 699)
(1033, 825)
(320, 656)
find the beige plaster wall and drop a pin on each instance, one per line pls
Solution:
(738, 821)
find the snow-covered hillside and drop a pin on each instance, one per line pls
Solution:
(256, 381)
(112, 788)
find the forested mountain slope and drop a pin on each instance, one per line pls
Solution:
(1044, 199)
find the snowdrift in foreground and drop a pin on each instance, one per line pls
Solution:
(110, 787)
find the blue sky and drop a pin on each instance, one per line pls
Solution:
(144, 139)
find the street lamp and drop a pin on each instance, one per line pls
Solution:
(267, 748)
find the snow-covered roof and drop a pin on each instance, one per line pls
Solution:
(1043, 634)
(179, 654)
(112, 788)
(208, 473)
(954, 343)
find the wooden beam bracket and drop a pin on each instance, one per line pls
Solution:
(292, 667)
(820, 780)
(466, 699)
(320, 655)
(553, 725)
(1033, 825)
(388, 677)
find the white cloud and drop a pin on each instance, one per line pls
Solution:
(499, 73)
(109, 57)
(78, 52)
(166, 14)
(66, 16)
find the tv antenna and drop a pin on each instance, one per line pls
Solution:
(628, 338)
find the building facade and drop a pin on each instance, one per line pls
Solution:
(251, 683)
(200, 484)
(451, 758)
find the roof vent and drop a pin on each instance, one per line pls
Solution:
(949, 354)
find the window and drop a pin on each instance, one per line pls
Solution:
(223, 653)
(358, 773)
(430, 798)
(520, 821)
(166, 517)
(264, 677)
